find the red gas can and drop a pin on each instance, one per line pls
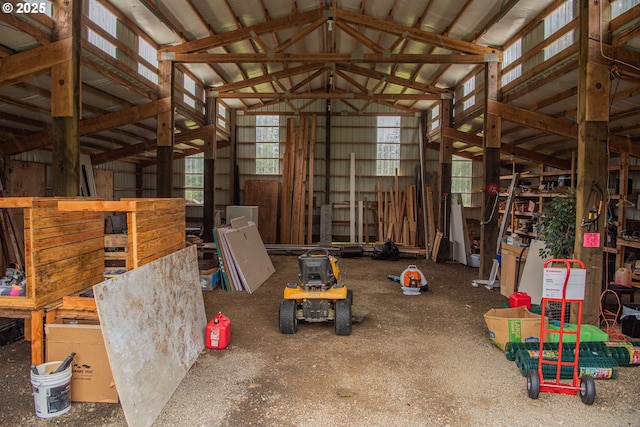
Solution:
(520, 298)
(218, 332)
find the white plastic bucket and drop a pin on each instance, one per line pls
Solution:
(51, 391)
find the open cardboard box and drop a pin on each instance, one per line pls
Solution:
(91, 380)
(515, 324)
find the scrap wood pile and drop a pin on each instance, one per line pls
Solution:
(400, 215)
(297, 182)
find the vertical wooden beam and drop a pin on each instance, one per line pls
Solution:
(165, 136)
(65, 101)
(210, 147)
(446, 156)
(593, 117)
(352, 198)
(491, 171)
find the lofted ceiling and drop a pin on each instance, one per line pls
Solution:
(408, 54)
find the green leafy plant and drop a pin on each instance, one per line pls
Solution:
(558, 227)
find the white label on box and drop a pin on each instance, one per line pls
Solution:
(553, 282)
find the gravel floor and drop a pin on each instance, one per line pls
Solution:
(413, 361)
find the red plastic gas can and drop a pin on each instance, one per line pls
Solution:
(517, 299)
(218, 332)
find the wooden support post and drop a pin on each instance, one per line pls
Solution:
(287, 187)
(593, 117)
(37, 337)
(380, 234)
(491, 168)
(210, 147)
(446, 155)
(65, 101)
(164, 134)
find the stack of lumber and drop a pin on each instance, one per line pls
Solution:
(397, 214)
(297, 179)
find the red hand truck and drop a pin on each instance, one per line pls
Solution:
(585, 385)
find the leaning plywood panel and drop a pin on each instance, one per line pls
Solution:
(249, 254)
(153, 321)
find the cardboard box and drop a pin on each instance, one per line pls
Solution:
(92, 380)
(513, 325)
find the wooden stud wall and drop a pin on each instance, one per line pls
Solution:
(155, 227)
(63, 251)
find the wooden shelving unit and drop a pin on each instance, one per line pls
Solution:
(529, 199)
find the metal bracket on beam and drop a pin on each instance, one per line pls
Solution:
(167, 56)
(349, 95)
(386, 53)
(446, 95)
(271, 53)
(491, 57)
(213, 93)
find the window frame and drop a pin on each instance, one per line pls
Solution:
(388, 151)
(267, 165)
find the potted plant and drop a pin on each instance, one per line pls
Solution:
(558, 226)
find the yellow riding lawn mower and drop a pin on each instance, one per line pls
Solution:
(319, 296)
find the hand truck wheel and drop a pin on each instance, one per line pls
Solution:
(587, 389)
(533, 384)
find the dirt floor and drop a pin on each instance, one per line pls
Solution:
(421, 360)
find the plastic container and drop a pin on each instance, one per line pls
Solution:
(587, 333)
(51, 391)
(218, 332)
(517, 299)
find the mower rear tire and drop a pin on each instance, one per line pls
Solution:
(350, 296)
(288, 319)
(343, 317)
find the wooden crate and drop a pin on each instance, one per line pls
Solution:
(116, 251)
(155, 227)
(63, 250)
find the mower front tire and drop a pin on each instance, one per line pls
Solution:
(343, 317)
(288, 319)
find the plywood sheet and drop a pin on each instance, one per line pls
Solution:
(249, 254)
(532, 275)
(153, 321)
(458, 232)
(265, 195)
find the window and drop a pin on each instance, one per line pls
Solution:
(388, 146)
(618, 7)
(267, 145)
(435, 112)
(107, 21)
(553, 23)
(469, 87)
(190, 88)
(146, 51)
(222, 115)
(461, 178)
(194, 178)
(510, 54)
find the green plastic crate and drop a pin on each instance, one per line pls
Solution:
(587, 333)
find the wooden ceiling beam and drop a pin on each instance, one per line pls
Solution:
(375, 47)
(505, 149)
(384, 77)
(240, 34)
(32, 62)
(328, 95)
(533, 120)
(16, 21)
(96, 124)
(416, 34)
(267, 78)
(300, 35)
(150, 144)
(305, 58)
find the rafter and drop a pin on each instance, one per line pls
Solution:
(245, 33)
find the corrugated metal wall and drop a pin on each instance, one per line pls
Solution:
(349, 133)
